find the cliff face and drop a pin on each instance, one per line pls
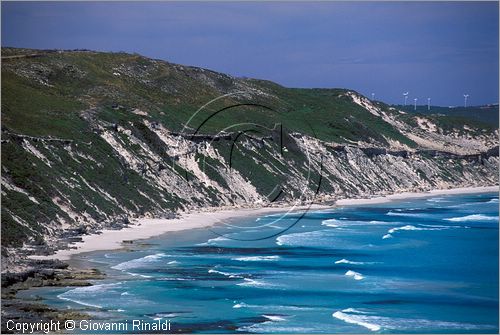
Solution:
(90, 140)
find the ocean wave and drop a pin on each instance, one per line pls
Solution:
(311, 238)
(274, 307)
(376, 323)
(254, 283)
(395, 213)
(473, 217)
(356, 319)
(335, 223)
(493, 201)
(256, 258)
(276, 328)
(386, 236)
(331, 223)
(80, 295)
(410, 227)
(139, 262)
(230, 275)
(438, 199)
(138, 275)
(346, 261)
(213, 241)
(274, 317)
(355, 275)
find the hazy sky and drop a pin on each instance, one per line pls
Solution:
(438, 50)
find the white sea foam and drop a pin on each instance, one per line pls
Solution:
(355, 275)
(395, 213)
(230, 275)
(80, 295)
(307, 238)
(275, 307)
(172, 262)
(473, 217)
(376, 323)
(254, 283)
(439, 199)
(274, 317)
(356, 319)
(493, 201)
(410, 227)
(214, 241)
(139, 262)
(386, 236)
(331, 223)
(138, 275)
(346, 261)
(354, 310)
(256, 258)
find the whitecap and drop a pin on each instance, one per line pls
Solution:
(473, 217)
(354, 310)
(213, 241)
(274, 307)
(355, 319)
(391, 213)
(79, 294)
(386, 236)
(346, 261)
(230, 275)
(253, 283)
(410, 227)
(138, 262)
(355, 275)
(138, 275)
(256, 258)
(331, 223)
(376, 323)
(274, 317)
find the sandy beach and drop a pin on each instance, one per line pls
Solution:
(147, 228)
(409, 195)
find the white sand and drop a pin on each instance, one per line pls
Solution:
(409, 195)
(146, 228)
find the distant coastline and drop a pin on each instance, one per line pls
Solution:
(149, 227)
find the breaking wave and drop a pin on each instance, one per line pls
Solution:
(473, 217)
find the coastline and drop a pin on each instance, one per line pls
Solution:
(145, 228)
(149, 227)
(415, 195)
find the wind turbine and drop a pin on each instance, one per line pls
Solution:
(373, 96)
(415, 108)
(428, 104)
(405, 94)
(465, 100)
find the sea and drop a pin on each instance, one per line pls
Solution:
(426, 265)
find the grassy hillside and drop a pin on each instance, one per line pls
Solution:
(486, 115)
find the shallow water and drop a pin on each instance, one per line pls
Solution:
(417, 266)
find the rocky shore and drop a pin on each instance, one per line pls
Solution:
(41, 273)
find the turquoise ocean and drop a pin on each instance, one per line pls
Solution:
(427, 265)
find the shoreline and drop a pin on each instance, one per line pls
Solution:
(145, 228)
(416, 195)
